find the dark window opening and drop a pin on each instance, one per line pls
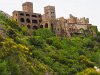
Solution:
(40, 20)
(28, 20)
(27, 15)
(22, 20)
(34, 16)
(39, 15)
(28, 26)
(52, 26)
(34, 21)
(34, 27)
(41, 26)
(46, 25)
(58, 29)
(21, 14)
(16, 14)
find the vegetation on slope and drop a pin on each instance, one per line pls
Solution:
(39, 52)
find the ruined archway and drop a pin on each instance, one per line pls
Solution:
(41, 26)
(46, 25)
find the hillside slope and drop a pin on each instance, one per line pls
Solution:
(39, 52)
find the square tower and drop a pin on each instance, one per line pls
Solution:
(27, 7)
(50, 12)
(49, 17)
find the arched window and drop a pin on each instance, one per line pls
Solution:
(46, 25)
(21, 14)
(34, 15)
(34, 27)
(22, 20)
(34, 21)
(41, 26)
(28, 26)
(28, 20)
(27, 14)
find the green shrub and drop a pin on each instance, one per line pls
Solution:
(44, 33)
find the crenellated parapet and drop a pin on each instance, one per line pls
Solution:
(72, 19)
(83, 20)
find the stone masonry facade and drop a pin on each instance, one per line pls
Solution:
(60, 26)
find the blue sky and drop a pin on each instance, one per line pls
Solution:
(79, 8)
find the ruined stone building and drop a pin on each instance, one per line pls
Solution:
(27, 17)
(60, 26)
(35, 20)
(72, 25)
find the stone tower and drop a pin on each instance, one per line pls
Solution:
(50, 17)
(50, 12)
(27, 7)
